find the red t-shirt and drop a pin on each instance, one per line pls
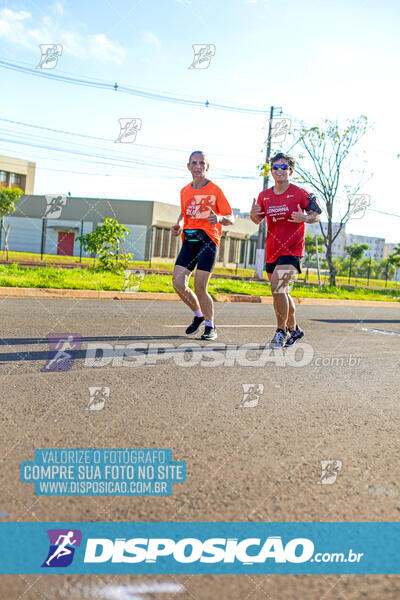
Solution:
(195, 208)
(283, 237)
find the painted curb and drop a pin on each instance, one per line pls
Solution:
(43, 293)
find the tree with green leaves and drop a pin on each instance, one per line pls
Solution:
(355, 252)
(396, 253)
(367, 268)
(310, 248)
(392, 263)
(8, 198)
(396, 250)
(324, 158)
(105, 243)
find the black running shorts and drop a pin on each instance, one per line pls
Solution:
(287, 259)
(201, 252)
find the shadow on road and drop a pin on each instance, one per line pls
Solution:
(90, 338)
(157, 351)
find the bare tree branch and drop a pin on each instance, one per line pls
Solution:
(327, 148)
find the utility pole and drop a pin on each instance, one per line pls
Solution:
(369, 269)
(260, 248)
(317, 256)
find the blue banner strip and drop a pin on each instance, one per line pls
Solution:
(200, 548)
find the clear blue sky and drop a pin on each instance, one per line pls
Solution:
(317, 59)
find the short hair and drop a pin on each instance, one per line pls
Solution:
(198, 152)
(282, 155)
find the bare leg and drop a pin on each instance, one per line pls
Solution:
(201, 280)
(291, 320)
(283, 304)
(180, 281)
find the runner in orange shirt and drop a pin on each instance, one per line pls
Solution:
(204, 209)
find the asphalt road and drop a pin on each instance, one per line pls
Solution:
(252, 427)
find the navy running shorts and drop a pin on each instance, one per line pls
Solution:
(287, 259)
(201, 252)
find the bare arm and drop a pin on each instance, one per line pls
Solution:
(180, 219)
(257, 218)
(312, 217)
(224, 220)
(176, 228)
(256, 214)
(313, 210)
(227, 220)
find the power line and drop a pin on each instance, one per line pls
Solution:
(125, 89)
(220, 176)
(382, 212)
(108, 140)
(49, 144)
(71, 159)
(119, 159)
(131, 163)
(108, 174)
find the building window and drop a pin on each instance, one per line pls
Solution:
(15, 178)
(166, 241)
(3, 176)
(157, 244)
(242, 251)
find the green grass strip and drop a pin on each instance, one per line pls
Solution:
(59, 278)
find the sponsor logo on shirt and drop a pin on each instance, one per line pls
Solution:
(278, 213)
(199, 207)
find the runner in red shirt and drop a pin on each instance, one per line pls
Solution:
(283, 205)
(204, 209)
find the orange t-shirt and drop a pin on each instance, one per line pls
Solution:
(195, 208)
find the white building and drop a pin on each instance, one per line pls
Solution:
(389, 248)
(340, 241)
(376, 245)
(149, 223)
